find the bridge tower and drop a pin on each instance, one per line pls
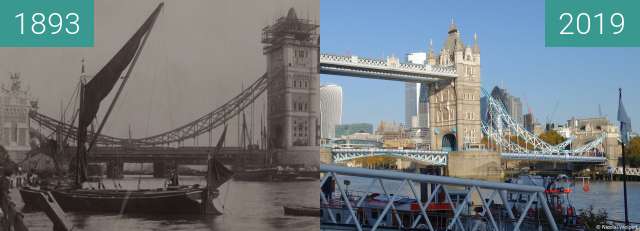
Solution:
(292, 50)
(454, 106)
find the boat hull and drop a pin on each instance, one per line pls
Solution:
(301, 211)
(125, 201)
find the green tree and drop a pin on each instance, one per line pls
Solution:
(552, 137)
(632, 151)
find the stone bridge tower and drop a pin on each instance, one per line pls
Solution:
(292, 50)
(454, 106)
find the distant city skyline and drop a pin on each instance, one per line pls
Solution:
(578, 80)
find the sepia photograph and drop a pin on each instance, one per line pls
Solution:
(234, 115)
(183, 115)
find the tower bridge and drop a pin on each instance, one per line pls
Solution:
(457, 122)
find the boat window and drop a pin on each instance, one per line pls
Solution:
(374, 213)
(338, 218)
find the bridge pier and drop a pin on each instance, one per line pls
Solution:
(161, 168)
(115, 169)
(425, 188)
(482, 165)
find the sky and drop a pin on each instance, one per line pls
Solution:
(513, 55)
(198, 56)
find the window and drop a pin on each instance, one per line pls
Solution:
(374, 213)
(300, 56)
(14, 132)
(22, 136)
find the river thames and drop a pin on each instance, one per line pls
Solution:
(245, 206)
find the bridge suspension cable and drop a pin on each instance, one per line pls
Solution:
(192, 129)
(498, 124)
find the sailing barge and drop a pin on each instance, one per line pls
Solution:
(173, 199)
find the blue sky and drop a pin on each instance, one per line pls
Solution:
(511, 38)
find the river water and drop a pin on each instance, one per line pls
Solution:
(245, 206)
(602, 195)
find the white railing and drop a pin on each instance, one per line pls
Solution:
(630, 171)
(499, 125)
(378, 64)
(425, 156)
(488, 192)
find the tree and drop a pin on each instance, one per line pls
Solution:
(552, 137)
(633, 147)
(632, 151)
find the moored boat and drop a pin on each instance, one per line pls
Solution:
(172, 199)
(182, 200)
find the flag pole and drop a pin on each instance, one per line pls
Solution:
(624, 167)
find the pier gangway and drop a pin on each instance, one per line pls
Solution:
(491, 196)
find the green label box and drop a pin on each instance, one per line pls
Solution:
(46, 23)
(592, 23)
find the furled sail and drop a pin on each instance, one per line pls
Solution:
(217, 173)
(102, 83)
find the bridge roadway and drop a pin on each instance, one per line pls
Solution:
(390, 69)
(165, 158)
(192, 155)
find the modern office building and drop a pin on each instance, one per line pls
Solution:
(416, 97)
(510, 102)
(410, 103)
(529, 122)
(330, 109)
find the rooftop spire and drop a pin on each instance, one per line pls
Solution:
(292, 14)
(476, 47)
(452, 27)
(431, 48)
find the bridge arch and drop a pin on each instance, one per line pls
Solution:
(395, 155)
(449, 143)
(436, 158)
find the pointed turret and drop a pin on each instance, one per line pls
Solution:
(459, 45)
(431, 57)
(452, 27)
(292, 14)
(476, 47)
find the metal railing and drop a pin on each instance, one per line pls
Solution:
(425, 156)
(488, 192)
(499, 124)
